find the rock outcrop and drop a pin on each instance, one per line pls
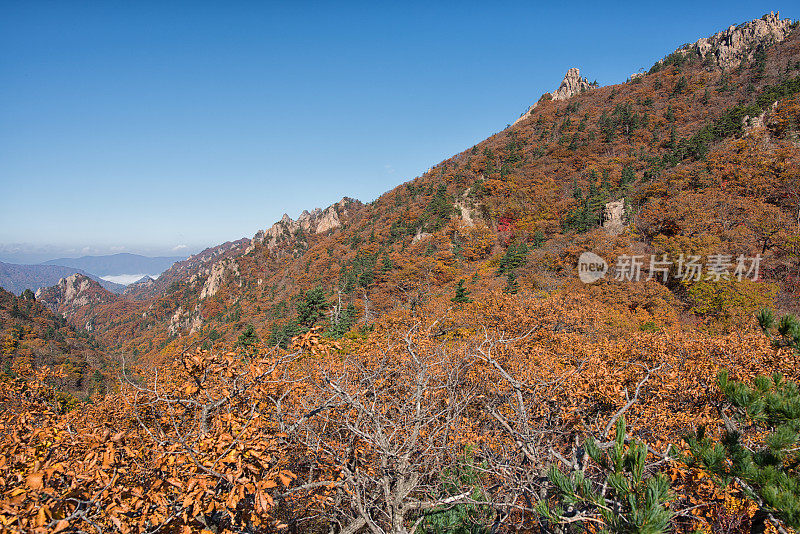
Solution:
(315, 222)
(183, 320)
(73, 293)
(216, 275)
(195, 265)
(614, 217)
(571, 85)
(728, 48)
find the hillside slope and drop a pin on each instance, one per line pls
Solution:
(33, 338)
(543, 333)
(699, 156)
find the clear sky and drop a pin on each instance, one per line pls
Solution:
(165, 127)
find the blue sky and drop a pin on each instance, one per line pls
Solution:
(165, 127)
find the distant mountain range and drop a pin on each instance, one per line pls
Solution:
(106, 270)
(17, 278)
(118, 264)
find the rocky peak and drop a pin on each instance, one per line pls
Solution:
(216, 275)
(728, 48)
(571, 85)
(317, 221)
(73, 292)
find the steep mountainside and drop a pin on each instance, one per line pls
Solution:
(186, 268)
(82, 300)
(689, 158)
(33, 337)
(517, 341)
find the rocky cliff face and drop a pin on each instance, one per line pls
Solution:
(183, 270)
(216, 275)
(73, 292)
(315, 222)
(728, 48)
(571, 85)
(75, 297)
(614, 217)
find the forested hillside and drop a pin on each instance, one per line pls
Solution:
(433, 361)
(34, 338)
(703, 160)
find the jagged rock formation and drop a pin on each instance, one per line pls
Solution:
(187, 268)
(16, 278)
(571, 85)
(751, 124)
(72, 293)
(315, 222)
(184, 320)
(216, 276)
(463, 206)
(420, 235)
(728, 48)
(614, 217)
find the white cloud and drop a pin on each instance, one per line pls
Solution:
(126, 279)
(179, 247)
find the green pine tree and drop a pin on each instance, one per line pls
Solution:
(311, 307)
(281, 335)
(627, 499)
(786, 333)
(342, 322)
(767, 473)
(512, 286)
(247, 338)
(461, 293)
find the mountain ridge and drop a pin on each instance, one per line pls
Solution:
(464, 215)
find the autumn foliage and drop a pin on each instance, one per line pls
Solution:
(435, 364)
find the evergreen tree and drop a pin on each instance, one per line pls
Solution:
(437, 214)
(515, 256)
(461, 293)
(768, 472)
(538, 239)
(281, 335)
(247, 338)
(15, 311)
(785, 334)
(512, 286)
(342, 321)
(628, 175)
(311, 307)
(627, 499)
